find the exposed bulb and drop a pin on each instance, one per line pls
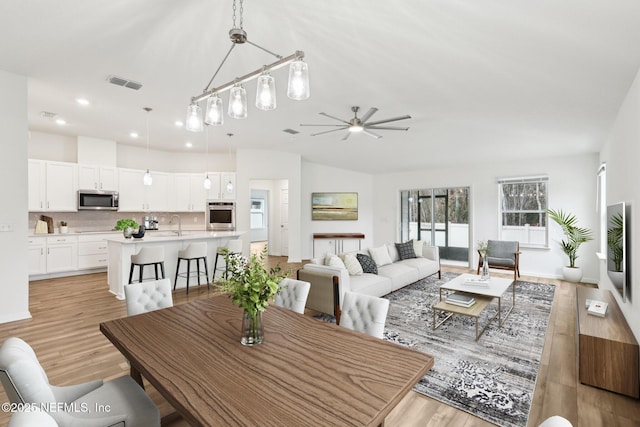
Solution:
(207, 183)
(194, 118)
(147, 179)
(238, 102)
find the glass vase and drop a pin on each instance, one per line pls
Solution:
(485, 268)
(252, 329)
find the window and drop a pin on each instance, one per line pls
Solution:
(523, 210)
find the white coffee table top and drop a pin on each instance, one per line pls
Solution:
(496, 288)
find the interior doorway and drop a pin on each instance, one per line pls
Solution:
(269, 210)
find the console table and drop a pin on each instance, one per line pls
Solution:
(607, 350)
(339, 240)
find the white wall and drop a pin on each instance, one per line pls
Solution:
(320, 178)
(622, 153)
(269, 165)
(571, 188)
(14, 281)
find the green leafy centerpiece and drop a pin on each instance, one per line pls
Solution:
(251, 286)
(128, 227)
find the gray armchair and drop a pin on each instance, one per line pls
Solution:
(503, 255)
(119, 402)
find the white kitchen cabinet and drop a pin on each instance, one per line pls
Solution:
(52, 186)
(187, 192)
(157, 195)
(92, 250)
(37, 255)
(214, 192)
(137, 197)
(97, 178)
(228, 186)
(62, 253)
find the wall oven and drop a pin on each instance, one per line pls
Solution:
(221, 216)
(92, 200)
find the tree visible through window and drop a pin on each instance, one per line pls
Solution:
(523, 210)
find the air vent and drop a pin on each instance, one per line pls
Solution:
(291, 131)
(47, 114)
(121, 81)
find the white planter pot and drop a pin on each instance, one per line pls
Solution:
(572, 274)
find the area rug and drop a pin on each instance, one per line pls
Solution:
(492, 378)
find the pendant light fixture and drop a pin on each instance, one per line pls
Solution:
(229, 186)
(297, 88)
(147, 179)
(207, 180)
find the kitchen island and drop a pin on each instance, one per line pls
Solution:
(121, 249)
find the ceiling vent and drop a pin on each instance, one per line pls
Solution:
(291, 131)
(47, 114)
(121, 81)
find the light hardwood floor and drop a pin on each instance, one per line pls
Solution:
(64, 333)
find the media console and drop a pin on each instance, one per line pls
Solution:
(608, 354)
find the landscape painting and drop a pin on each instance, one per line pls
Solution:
(334, 206)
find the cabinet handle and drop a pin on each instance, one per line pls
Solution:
(48, 251)
(47, 205)
(41, 204)
(102, 260)
(95, 185)
(41, 251)
(101, 186)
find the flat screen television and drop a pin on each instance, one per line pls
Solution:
(617, 253)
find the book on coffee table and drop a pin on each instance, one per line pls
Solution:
(477, 281)
(460, 299)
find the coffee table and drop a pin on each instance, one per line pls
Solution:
(483, 295)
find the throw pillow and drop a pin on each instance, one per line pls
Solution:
(405, 250)
(352, 264)
(334, 261)
(367, 263)
(393, 252)
(380, 255)
(417, 247)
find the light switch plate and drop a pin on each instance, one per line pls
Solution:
(6, 227)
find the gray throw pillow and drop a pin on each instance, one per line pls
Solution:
(367, 263)
(405, 250)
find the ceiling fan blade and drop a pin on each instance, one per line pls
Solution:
(334, 118)
(327, 131)
(367, 116)
(319, 125)
(386, 127)
(371, 134)
(379, 122)
(344, 138)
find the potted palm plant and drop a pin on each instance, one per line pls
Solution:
(616, 250)
(575, 236)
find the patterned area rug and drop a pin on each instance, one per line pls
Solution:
(493, 378)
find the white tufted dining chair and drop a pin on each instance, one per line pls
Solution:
(79, 405)
(293, 295)
(148, 296)
(556, 421)
(364, 313)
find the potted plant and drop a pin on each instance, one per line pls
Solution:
(251, 286)
(575, 236)
(63, 227)
(128, 227)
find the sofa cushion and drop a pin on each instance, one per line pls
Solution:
(352, 264)
(367, 263)
(400, 274)
(370, 284)
(405, 250)
(393, 252)
(425, 266)
(417, 247)
(380, 255)
(334, 261)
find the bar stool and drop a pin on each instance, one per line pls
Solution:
(195, 251)
(148, 255)
(234, 247)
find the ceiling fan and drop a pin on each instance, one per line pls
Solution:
(360, 124)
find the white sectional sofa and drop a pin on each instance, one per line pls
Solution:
(329, 282)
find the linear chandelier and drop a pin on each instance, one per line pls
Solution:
(297, 89)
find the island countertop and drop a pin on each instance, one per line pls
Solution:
(121, 249)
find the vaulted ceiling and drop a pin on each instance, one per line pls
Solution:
(499, 79)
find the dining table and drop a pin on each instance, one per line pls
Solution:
(307, 372)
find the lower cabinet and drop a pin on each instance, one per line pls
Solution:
(37, 255)
(62, 253)
(92, 252)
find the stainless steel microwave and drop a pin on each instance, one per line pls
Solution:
(95, 200)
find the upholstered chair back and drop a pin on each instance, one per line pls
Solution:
(293, 295)
(502, 252)
(364, 313)
(23, 378)
(148, 296)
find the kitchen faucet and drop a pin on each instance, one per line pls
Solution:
(179, 223)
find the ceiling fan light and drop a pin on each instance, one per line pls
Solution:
(214, 115)
(298, 87)
(194, 118)
(356, 128)
(266, 92)
(238, 102)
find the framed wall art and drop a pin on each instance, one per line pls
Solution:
(334, 206)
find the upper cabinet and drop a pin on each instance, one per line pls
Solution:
(187, 192)
(52, 186)
(97, 178)
(223, 186)
(136, 197)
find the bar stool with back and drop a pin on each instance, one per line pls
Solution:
(148, 255)
(194, 252)
(234, 247)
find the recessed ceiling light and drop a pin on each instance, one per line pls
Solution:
(188, 145)
(134, 134)
(82, 101)
(179, 123)
(61, 122)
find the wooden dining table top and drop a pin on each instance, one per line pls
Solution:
(306, 372)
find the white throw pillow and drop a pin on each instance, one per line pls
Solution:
(353, 265)
(393, 252)
(417, 247)
(380, 255)
(334, 261)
